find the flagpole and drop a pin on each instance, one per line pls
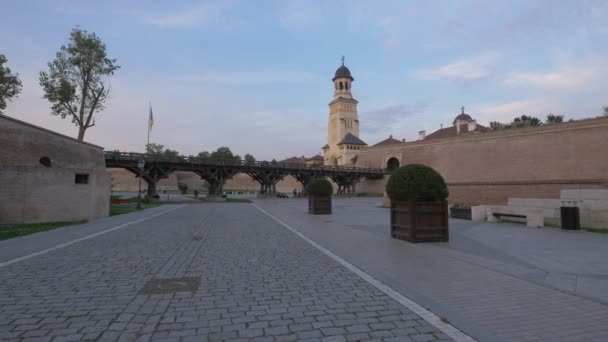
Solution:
(149, 110)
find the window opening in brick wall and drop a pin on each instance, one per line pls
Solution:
(46, 161)
(82, 178)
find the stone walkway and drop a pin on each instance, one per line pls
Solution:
(245, 277)
(485, 282)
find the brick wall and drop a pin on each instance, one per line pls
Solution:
(31, 192)
(491, 167)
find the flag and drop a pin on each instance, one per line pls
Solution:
(151, 119)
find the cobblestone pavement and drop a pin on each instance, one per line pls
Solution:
(482, 281)
(257, 281)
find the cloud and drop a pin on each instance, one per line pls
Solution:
(377, 123)
(567, 77)
(468, 69)
(251, 77)
(187, 18)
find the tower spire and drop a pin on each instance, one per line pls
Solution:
(462, 108)
(342, 60)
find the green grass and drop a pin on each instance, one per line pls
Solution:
(119, 209)
(9, 231)
(596, 230)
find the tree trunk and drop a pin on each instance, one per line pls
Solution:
(81, 130)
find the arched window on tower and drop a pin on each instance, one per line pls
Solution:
(341, 86)
(346, 85)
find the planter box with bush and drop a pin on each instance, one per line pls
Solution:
(419, 210)
(319, 196)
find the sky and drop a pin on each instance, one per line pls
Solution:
(256, 75)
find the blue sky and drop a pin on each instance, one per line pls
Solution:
(256, 75)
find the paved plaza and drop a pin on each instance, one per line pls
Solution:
(268, 271)
(245, 277)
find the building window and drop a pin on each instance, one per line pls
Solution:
(46, 161)
(81, 178)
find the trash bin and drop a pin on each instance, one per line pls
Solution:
(569, 213)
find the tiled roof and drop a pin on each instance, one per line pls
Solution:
(389, 141)
(451, 131)
(350, 139)
(317, 157)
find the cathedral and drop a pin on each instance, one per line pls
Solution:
(343, 143)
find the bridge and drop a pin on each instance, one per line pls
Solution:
(216, 172)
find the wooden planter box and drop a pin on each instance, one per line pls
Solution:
(420, 221)
(461, 213)
(319, 205)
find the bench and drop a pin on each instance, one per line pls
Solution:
(534, 216)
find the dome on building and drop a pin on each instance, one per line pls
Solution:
(462, 117)
(342, 72)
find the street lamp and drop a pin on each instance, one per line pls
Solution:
(140, 166)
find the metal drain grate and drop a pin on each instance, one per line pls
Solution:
(171, 285)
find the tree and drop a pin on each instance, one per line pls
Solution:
(551, 119)
(204, 155)
(249, 159)
(526, 121)
(155, 148)
(605, 110)
(10, 84)
(224, 154)
(170, 153)
(75, 82)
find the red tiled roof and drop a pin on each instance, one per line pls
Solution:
(389, 141)
(451, 131)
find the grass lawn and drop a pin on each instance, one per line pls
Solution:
(8, 231)
(118, 209)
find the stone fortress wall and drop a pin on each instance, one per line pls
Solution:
(491, 167)
(38, 176)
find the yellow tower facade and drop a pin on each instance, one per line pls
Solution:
(343, 143)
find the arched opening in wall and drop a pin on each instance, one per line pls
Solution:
(341, 86)
(333, 162)
(46, 161)
(392, 164)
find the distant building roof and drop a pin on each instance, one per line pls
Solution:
(350, 139)
(389, 141)
(324, 147)
(462, 117)
(451, 131)
(317, 157)
(294, 160)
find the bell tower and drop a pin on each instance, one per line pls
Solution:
(343, 127)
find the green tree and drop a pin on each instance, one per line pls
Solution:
(249, 159)
(155, 148)
(10, 84)
(526, 121)
(170, 153)
(204, 155)
(75, 81)
(552, 118)
(224, 154)
(605, 110)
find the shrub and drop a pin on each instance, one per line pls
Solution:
(416, 183)
(319, 187)
(183, 187)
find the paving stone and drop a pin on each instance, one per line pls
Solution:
(256, 281)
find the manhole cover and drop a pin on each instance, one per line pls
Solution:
(163, 286)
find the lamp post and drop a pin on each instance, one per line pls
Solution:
(140, 166)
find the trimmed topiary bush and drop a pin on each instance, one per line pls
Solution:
(319, 187)
(416, 182)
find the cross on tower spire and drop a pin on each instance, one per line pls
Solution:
(462, 108)
(342, 60)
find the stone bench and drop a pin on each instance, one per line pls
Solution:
(535, 217)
